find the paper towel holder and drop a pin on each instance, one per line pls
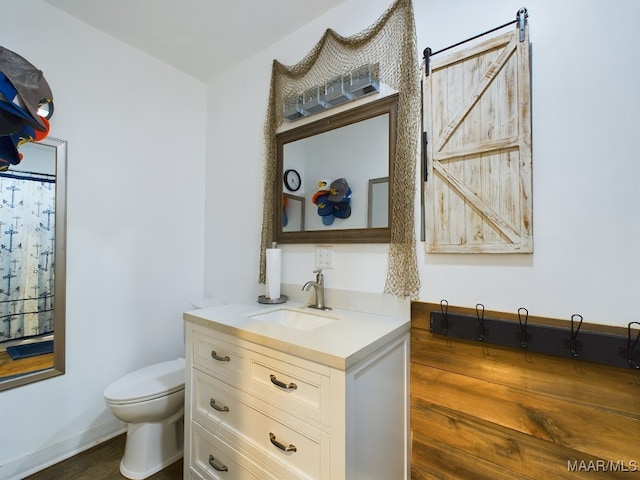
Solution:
(265, 299)
(272, 301)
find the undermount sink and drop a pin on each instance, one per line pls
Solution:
(298, 319)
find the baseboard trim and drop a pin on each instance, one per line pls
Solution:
(59, 451)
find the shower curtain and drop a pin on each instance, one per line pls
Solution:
(27, 245)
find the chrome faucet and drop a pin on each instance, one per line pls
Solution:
(318, 285)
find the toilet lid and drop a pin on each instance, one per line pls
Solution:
(147, 383)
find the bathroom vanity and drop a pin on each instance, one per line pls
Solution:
(289, 392)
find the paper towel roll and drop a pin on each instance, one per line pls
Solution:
(273, 273)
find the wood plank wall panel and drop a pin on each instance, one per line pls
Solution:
(484, 411)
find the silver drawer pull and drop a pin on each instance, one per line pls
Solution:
(281, 446)
(216, 465)
(217, 407)
(215, 356)
(277, 382)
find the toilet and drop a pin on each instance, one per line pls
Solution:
(151, 402)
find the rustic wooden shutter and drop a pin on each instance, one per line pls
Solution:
(477, 114)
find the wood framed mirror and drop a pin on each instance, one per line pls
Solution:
(355, 145)
(33, 265)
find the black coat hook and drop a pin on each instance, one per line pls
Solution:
(480, 315)
(631, 353)
(573, 344)
(523, 326)
(444, 307)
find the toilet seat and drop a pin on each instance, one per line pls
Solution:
(147, 383)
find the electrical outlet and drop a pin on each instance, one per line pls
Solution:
(324, 257)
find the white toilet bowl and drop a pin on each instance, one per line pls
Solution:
(151, 401)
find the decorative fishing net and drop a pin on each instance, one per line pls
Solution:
(390, 43)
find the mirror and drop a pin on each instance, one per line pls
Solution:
(32, 264)
(347, 149)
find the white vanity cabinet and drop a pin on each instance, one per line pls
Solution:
(255, 410)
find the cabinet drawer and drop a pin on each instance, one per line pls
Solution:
(220, 357)
(242, 418)
(193, 475)
(290, 388)
(213, 458)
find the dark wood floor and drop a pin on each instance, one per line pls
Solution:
(100, 463)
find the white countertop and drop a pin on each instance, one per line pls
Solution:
(339, 344)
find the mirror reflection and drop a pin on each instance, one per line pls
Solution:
(32, 221)
(327, 167)
(378, 204)
(292, 213)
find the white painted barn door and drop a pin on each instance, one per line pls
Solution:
(477, 114)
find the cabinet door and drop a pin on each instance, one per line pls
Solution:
(377, 429)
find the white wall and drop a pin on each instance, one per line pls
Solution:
(586, 260)
(136, 133)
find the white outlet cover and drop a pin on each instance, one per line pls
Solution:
(324, 257)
